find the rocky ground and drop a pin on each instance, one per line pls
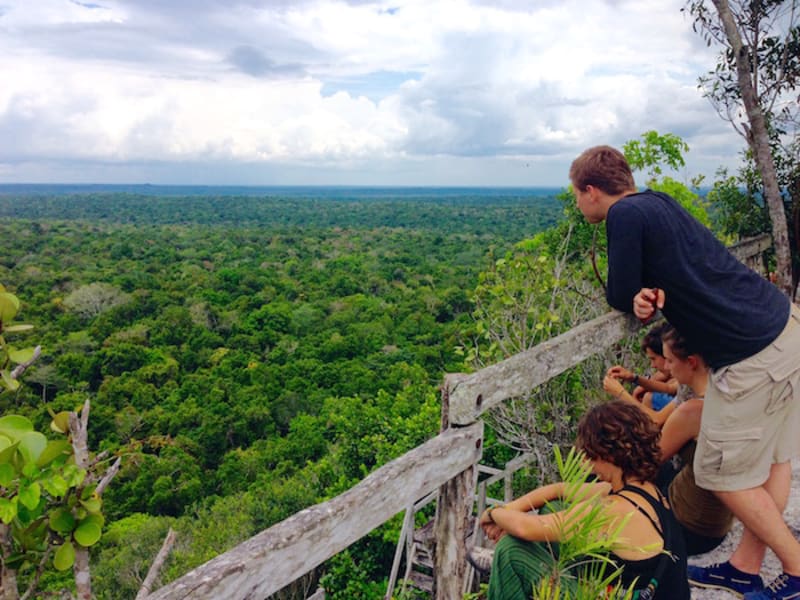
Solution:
(772, 566)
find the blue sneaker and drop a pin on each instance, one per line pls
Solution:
(724, 576)
(785, 587)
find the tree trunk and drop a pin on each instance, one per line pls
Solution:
(8, 577)
(83, 581)
(758, 140)
(79, 426)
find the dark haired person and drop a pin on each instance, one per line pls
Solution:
(748, 333)
(704, 519)
(657, 392)
(621, 443)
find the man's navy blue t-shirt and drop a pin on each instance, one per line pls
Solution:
(723, 309)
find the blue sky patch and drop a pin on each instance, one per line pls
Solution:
(375, 86)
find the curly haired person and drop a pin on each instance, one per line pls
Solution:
(621, 443)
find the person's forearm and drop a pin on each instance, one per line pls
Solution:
(537, 498)
(626, 397)
(654, 385)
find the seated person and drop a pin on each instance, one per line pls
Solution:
(657, 392)
(621, 444)
(705, 520)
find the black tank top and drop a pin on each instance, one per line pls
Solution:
(662, 576)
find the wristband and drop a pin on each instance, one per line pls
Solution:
(489, 513)
(635, 379)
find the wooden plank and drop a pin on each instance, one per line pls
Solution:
(474, 394)
(277, 556)
(453, 524)
(421, 581)
(751, 247)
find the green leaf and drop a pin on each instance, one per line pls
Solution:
(30, 470)
(61, 521)
(98, 520)
(73, 475)
(18, 328)
(11, 384)
(8, 510)
(30, 495)
(6, 454)
(53, 450)
(87, 533)
(20, 356)
(34, 536)
(26, 516)
(88, 491)
(7, 474)
(5, 442)
(64, 557)
(93, 505)
(60, 422)
(31, 446)
(56, 486)
(15, 425)
(9, 306)
(18, 559)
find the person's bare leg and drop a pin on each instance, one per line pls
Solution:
(760, 510)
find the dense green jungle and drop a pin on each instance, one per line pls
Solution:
(246, 357)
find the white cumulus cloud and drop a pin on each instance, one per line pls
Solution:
(412, 91)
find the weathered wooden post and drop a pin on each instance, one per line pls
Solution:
(453, 517)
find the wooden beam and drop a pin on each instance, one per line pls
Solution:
(474, 394)
(751, 247)
(453, 512)
(277, 556)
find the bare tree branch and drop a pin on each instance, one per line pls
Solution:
(108, 476)
(34, 583)
(78, 427)
(22, 367)
(158, 563)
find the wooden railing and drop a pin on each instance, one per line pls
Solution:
(447, 464)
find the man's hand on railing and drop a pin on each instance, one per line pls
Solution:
(646, 302)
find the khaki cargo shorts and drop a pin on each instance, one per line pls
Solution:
(751, 415)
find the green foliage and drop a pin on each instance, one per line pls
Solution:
(124, 555)
(49, 504)
(10, 355)
(258, 365)
(654, 152)
(44, 501)
(737, 213)
(445, 214)
(347, 578)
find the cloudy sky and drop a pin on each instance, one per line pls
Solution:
(400, 92)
